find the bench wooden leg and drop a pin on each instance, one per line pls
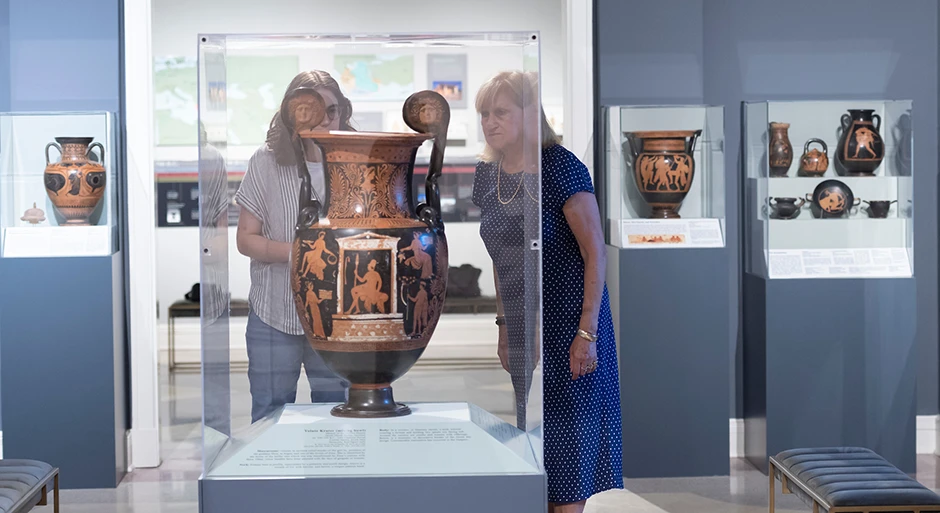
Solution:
(773, 488)
(55, 494)
(815, 507)
(44, 497)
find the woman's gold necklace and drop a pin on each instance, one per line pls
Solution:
(521, 184)
(499, 195)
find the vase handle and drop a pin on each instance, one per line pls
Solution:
(802, 202)
(846, 122)
(427, 112)
(52, 145)
(308, 212)
(631, 140)
(877, 120)
(814, 140)
(100, 147)
(808, 197)
(690, 145)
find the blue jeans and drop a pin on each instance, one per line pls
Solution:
(274, 360)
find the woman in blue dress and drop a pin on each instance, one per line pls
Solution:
(581, 411)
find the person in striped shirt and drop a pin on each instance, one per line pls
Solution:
(268, 197)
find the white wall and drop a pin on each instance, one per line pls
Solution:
(176, 24)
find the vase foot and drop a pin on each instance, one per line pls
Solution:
(370, 403)
(663, 214)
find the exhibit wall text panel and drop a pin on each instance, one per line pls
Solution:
(58, 185)
(352, 270)
(829, 189)
(665, 176)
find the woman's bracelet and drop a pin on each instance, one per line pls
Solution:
(587, 336)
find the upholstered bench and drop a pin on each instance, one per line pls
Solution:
(25, 483)
(848, 479)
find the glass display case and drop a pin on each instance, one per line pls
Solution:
(58, 185)
(366, 282)
(665, 181)
(829, 189)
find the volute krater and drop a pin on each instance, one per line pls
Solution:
(369, 276)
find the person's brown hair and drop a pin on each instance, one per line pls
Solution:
(278, 138)
(523, 88)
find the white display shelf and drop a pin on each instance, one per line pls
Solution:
(669, 233)
(56, 241)
(808, 232)
(436, 439)
(839, 263)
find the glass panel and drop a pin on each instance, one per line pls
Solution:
(832, 187)
(675, 198)
(350, 253)
(215, 294)
(58, 186)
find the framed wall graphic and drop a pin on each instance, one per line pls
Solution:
(447, 74)
(375, 77)
(251, 84)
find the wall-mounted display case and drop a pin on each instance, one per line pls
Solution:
(829, 189)
(58, 184)
(665, 176)
(364, 286)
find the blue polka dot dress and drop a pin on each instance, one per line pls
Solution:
(582, 424)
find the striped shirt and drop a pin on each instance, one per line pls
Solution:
(270, 192)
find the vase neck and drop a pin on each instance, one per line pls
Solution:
(74, 151)
(369, 180)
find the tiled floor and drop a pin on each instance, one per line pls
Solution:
(173, 486)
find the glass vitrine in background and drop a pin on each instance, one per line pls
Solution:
(665, 180)
(58, 184)
(829, 189)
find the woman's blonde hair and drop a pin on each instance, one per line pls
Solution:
(523, 88)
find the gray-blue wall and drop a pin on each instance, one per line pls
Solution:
(66, 55)
(724, 52)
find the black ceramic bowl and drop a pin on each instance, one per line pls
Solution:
(831, 199)
(879, 208)
(785, 208)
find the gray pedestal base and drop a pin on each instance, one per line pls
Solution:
(399, 494)
(674, 326)
(830, 363)
(62, 374)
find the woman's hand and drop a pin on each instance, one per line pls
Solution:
(503, 349)
(583, 357)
